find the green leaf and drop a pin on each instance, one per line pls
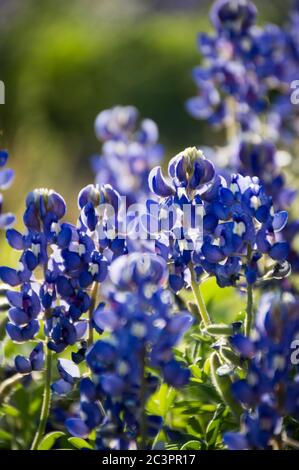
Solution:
(49, 440)
(79, 443)
(10, 410)
(191, 445)
(161, 401)
(5, 436)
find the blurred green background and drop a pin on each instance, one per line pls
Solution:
(64, 61)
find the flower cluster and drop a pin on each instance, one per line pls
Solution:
(244, 65)
(144, 329)
(239, 225)
(57, 267)
(6, 179)
(271, 387)
(129, 151)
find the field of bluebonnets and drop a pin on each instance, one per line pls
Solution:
(149, 278)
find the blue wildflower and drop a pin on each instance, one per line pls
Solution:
(270, 389)
(143, 332)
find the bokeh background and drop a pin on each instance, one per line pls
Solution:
(64, 61)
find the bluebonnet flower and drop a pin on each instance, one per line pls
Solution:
(245, 239)
(261, 159)
(69, 265)
(237, 217)
(144, 329)
(270, 389)
(35, 362)
(129, 151)
(191, 179)
(6, 179)
(244, 67)
(43, 208)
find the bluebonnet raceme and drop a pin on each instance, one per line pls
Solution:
(238, 218)
(244, 67)
(43, 209)
(191, 179)
(144, 329)
(57, 267)
(130, 149)
(271, 388)
(6, 179)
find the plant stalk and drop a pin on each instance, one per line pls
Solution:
(199, 300)
(94, 294)
(46, 401)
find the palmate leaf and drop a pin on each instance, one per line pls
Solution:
(49, 440)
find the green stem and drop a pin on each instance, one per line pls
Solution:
(223, 384)
(46, 401)
(8, 384)
(94, 294)
(199, 299)
(143, 420)
(232, 127)
(249, 310)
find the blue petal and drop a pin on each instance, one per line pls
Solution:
(3, 157)
(87, 389)
(77, 427)
(180, 323)
(212, 253)
(243, 392)
(6, 178)
(15, 298)
(15, 239)
(105, 320)
(235, 441)
(9, 276)
(112, 384)
(157, 183)
(37, 357)
(280, 220)
(227, 196)
(68, 370)
(18, 316)
(61, 387)
(64, 286)
(7, 220)
(14, 332)
(243, 345)
(23, 365)
(176, 282)
(279, 251)
(81, 328)
(175, 374)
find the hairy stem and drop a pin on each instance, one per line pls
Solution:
(222, 384)
(143, 419)
(94, 294)
(8, 384)
(46, 401)
(199, 300)
(249, 310)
